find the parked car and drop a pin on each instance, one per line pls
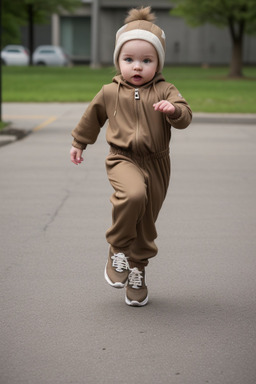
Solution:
(50, 55)
(15, 55)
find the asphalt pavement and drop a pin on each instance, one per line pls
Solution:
(60, 321)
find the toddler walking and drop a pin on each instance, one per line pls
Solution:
(141, 107)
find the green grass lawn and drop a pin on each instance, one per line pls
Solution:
(3, 125)
(206, 89)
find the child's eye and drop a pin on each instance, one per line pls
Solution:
(128, 59)
(147, 61)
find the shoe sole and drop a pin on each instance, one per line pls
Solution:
(116, 284)
(134, 303)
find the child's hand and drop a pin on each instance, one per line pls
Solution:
(76, 155)
(165, 107)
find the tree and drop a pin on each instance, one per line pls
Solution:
(29, 12)
(238, 15)
(12, 19)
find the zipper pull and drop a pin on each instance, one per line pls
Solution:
(136, 94)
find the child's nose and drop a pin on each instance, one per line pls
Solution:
(137, 65)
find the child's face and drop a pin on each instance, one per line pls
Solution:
(138, 62)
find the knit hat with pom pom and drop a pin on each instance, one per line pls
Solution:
(139, 25)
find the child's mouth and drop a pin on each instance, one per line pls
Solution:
(137, 77)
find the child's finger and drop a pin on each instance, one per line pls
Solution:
(158, 105)
(80, 159)
(73, 159)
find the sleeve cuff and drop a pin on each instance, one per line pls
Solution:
(176, 115)
(78, 145)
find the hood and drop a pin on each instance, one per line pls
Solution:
(118, 79)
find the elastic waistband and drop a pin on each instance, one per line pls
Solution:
(147, 156)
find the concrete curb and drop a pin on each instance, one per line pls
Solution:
(225, 118)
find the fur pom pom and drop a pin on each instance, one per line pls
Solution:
(143, 13)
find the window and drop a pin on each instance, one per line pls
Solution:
(76, 36)
(47, 51)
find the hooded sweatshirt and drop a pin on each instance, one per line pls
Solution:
(133, 124)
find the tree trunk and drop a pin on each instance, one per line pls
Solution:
(236, 64)
(30, 32)
(237, 33)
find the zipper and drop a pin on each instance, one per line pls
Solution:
(136, 94)
(137, 97)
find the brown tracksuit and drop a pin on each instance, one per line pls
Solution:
(138, 165)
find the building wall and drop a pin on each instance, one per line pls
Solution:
(184, 45)
(42, 35)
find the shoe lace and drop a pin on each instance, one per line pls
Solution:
(135, 278)
(120, 262)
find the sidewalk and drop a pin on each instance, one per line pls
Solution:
(60, 321)
(27, 117)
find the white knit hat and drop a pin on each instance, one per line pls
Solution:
(141, 29)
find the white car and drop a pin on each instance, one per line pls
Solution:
(50, 55)
(15, 55)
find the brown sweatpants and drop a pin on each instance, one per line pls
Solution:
(140, 185)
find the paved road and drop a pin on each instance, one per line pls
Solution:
(62, 324)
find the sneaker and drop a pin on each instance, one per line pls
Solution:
(117, 270)
(136, 290)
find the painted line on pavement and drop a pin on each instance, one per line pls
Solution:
(24, 117)
(45, 123)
